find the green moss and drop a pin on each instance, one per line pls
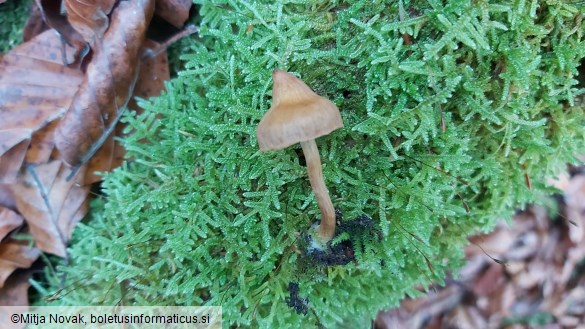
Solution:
(13, 16)
(197, 215)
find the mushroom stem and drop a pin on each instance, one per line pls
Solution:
(327, 227)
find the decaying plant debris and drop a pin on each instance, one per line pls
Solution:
(536, 276)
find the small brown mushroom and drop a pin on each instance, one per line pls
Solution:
(300, 115)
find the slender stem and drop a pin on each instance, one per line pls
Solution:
(327, 227)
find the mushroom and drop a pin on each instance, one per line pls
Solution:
(300, 115)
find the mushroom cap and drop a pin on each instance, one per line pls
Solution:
(297, 114)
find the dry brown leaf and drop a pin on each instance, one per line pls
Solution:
(42, 145)
(6, 198)
(35, 90)
(533, 276)
(35, 24)
(11, 161)
(89, 18)
(494, 244)
(9, 220)
(525, 246)
(467, 318)
(542, 272)
(152, 74)
(9, 138)
(489, 281)
(15, 254)
(52, 16)
(15, 291)
(48, 201)
(154, 71)
(108, 84)
(14, 294)
(175, 12)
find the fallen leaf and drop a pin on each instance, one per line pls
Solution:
(43, 100)
(496, 243)
(152, 75)
(14, 293)
(51, 11)
(9, 220)
(48, 201)
(9, 138)
(107, 86)
(6, 197)
(35, 90)
(35, 24)
(15, 254)
(42, 145)
(489, 280)
(89, 18)
(175, 12)
(11, 161)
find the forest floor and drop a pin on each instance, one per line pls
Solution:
(529, 273)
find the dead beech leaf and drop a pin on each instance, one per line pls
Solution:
(11, 161)
(9, 138)
(154, 71)
(543, 273)
(15, 254)
(152, 75)
(108, 84)
(42, 144)
(51, 11)
(89, 18)
(494, 244)
(175, 12)
(35, 24)
(6, 197)
(489, 281)
(35, 90)
(48, 203)
(14, 293)
(9, 220)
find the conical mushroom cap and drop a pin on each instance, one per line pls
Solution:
(297, 114)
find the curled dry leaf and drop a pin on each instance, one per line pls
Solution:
(50, 204)
(52, 16)
(14, 293)
(35, 90)
(35, 24)
(15, 254)
(175, 12)
(6, 198)
(108, 84)
(11, 160)
(9, 220)
(543, 278)
(153, 72)
(89, 18)
(488, 281)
